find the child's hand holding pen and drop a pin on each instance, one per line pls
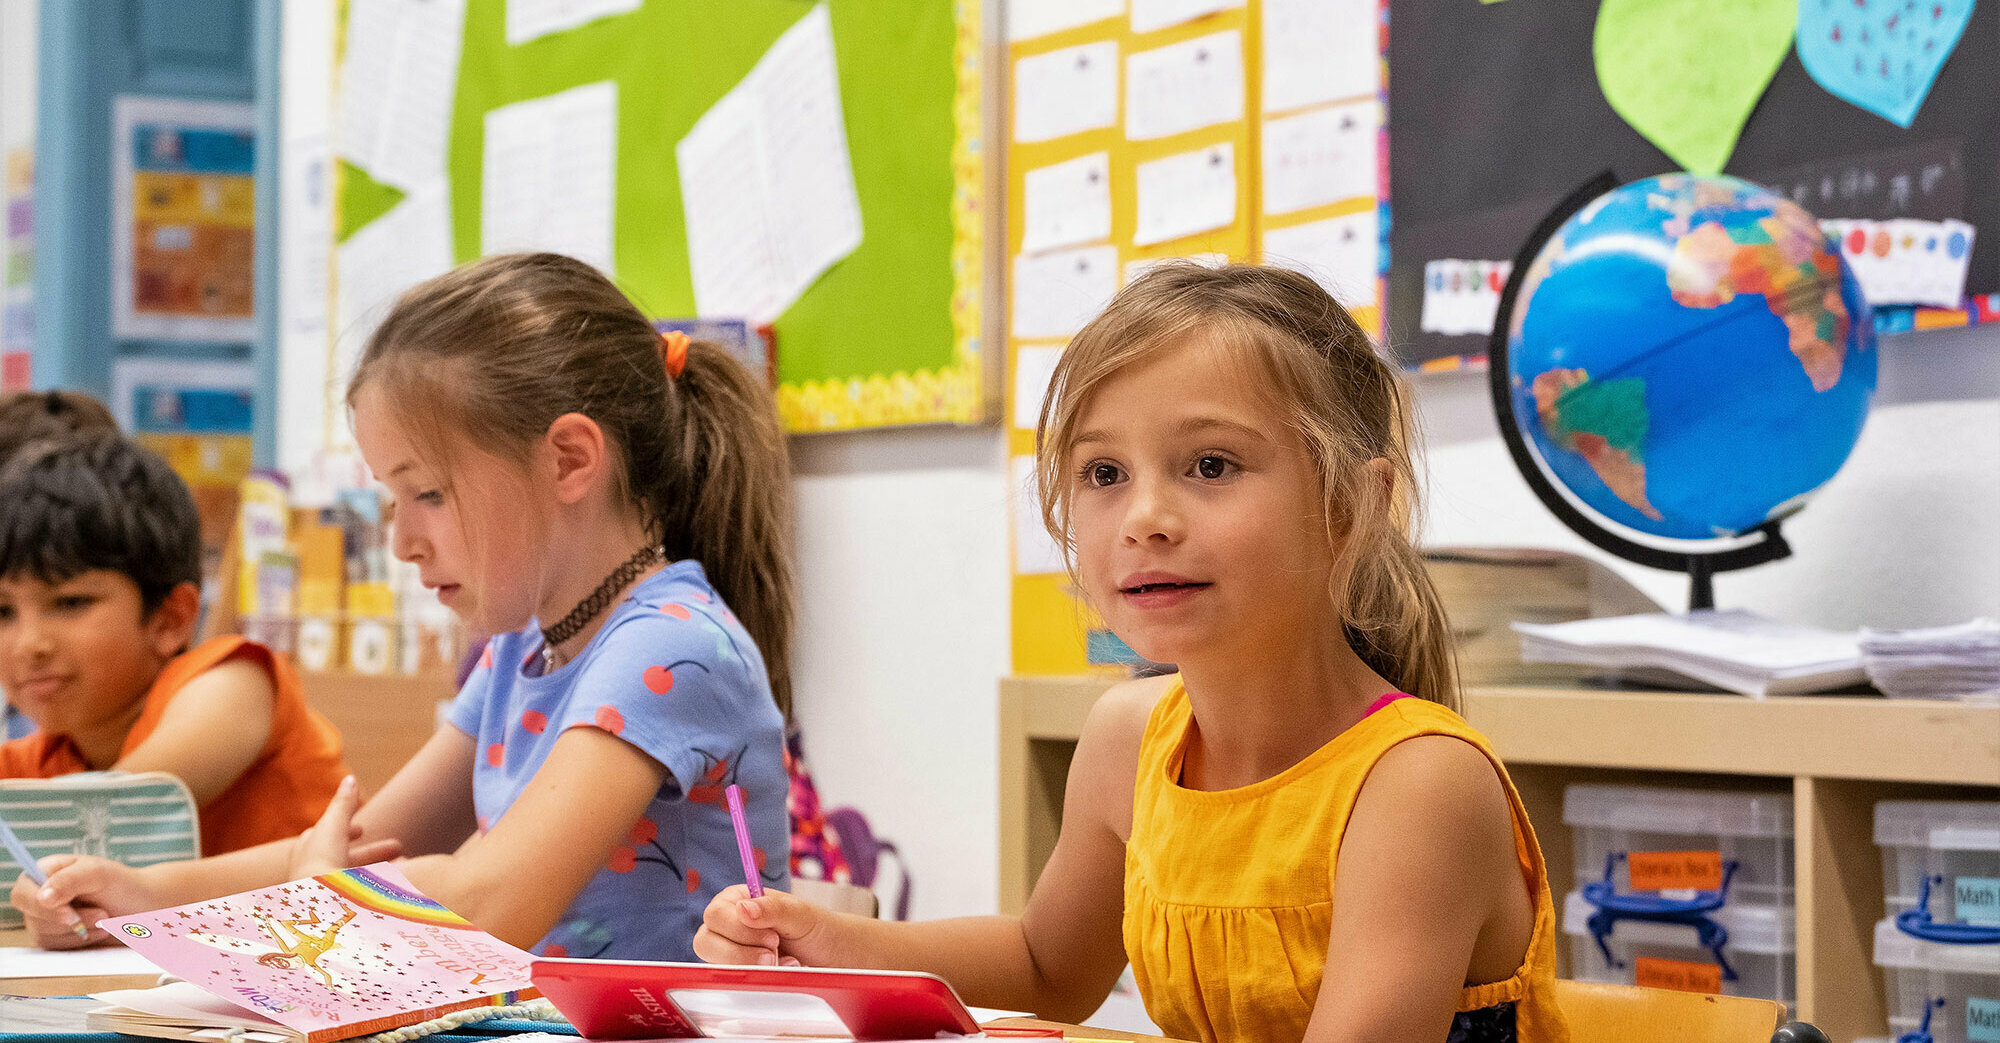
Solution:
(65, 895)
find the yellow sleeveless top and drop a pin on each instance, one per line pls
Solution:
(1229, 894)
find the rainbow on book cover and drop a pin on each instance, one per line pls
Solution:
(373, 891)
(344, 954)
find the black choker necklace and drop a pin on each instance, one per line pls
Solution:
(599, 599)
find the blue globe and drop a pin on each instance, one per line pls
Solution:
(1689, 357)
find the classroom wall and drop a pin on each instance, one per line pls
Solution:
(18, 69)
(1907, 534)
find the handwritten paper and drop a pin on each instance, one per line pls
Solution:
(1034, 367)
(1027, 19)
(1906, 261)
(528, 19)
(1462, 296)
(547, 177)
(1183, 86)
(1135, 269)
(1056, 293)
(398, 79)
(1068, 203)
(1064, 92)
(766, 182)
(1035, 551)
(410, 243)
(1318, 51)
(1148, 15)
(1342, 254)
(1320, 156)
(1186, 193)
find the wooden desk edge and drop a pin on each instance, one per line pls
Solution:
(1077, 1031)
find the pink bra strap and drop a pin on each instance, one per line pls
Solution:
(1384, 701)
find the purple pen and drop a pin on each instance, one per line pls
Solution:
(734, 795)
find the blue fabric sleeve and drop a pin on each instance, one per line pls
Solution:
(470, 704)
(676, 684)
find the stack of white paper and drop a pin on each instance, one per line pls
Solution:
(1734, 650)
(1954, 662)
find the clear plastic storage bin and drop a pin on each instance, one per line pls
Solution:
(1954, 843)
(1939, 992)
(1754, 830)
(1757, 958)
(1682, 888)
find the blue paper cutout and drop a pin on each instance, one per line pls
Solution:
(1880, 55)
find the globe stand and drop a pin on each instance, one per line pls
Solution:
(1768, 544)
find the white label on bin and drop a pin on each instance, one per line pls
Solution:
(1976, 899)
(1982, 1020)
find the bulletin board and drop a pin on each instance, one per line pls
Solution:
(1499, 112)
(1264, 120)
(889, 334)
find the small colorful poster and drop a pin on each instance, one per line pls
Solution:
(184, 220)
(17, 285)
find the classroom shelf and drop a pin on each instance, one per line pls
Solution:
(1836, 755)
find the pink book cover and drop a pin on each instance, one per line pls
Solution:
(345, 954)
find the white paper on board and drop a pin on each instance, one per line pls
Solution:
(1342, 254)
(1035, 551)
(767, 185)
(548, 175)
(1027, 19)
(1186, 193)
(1319, 51)
(1148, 15)
(1184, 86)
(1067, 203)
(398, 80)
(1321, 156)
(528, 19)
(1034, 366)
(410, 243)
(1135, 269)
(1065, 92)
(1056, 293)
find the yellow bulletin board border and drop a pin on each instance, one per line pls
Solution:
(955, 394)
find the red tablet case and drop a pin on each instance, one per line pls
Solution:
(632, 999)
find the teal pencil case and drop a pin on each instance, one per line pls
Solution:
(138, 819)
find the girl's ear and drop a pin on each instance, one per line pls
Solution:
(171, 626)
(575, 451)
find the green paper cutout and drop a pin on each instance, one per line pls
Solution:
(363, 199)
(1688, 73)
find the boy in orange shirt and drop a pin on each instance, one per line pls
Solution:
(100, 566)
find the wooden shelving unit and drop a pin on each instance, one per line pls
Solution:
(1836, 755)
(383, 719)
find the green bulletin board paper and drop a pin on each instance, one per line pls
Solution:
(1687, 73)
(362, 199)
(886, 307)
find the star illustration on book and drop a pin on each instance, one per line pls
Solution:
(293, 945)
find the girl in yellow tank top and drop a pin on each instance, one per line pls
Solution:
(1282, 846)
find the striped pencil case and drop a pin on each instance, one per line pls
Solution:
(137, 819)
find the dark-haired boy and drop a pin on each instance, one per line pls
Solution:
(99, 594)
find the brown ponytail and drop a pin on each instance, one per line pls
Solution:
(495, 350)
(1346, 404)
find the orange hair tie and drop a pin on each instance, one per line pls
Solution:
(674, 351)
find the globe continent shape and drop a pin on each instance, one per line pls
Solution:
(1690, 358)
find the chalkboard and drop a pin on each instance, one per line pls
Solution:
(1495, 113)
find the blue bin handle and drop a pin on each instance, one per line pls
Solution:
(1923, 1032)
(1917, 923)
(1651, 908)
